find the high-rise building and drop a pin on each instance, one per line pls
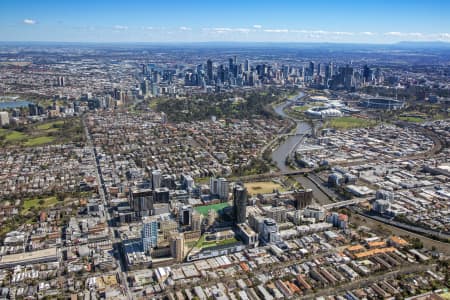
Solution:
(187, 181)
(311, 68)
(303, 198)
(161, 195)
(177, 246)
(156, 179)
(4, 118)
(277, 213)
(239, 204)
(185, 215)
(270, 232)
(149, 233)
(247, 65)
(141, 201)
(219, 187)
(209, 71)
(196, 223)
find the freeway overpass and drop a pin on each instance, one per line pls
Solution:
(271, 175)
(345, 203)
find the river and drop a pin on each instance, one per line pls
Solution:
(287, 147)
(13, 104)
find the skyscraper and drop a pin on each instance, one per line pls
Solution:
(156, 179)
(196, 221)
(239, 204)
(149, 233)
(311, 69)
(219, 187)
(209, 71)
(302, 198)
(185, 215)
(177, 246)
(141, 201)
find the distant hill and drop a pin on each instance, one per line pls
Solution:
(430, 44)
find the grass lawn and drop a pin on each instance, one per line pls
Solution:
(411, 119)
(34, 202)
(39, 141)
(302, 108)
(204, 209)
(262, 187)
(350, 122)
(57, 131)
(50, 125)
(15, 136)
(202, 243)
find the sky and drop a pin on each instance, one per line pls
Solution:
(340, 21)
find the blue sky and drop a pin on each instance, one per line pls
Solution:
(375, 21)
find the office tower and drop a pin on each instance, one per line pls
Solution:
(209, 71)
(247, 65)
(196, 223)
(230, 65)
(33, 109)
(149, 233)
(177, 246)
(347, 76)
(187, 181)
(141, 201)
(303, 198)
(318, 69)
(167, 225)
(185, 215)
(161, 195)
(277, 213)
(156, 179)
(219, 187)
(4, 118)
(367, 74)
(239, 204)
(270, 232)
(311, 68)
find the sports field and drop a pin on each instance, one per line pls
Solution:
(350, 122)
(262, 187)
(204, 209)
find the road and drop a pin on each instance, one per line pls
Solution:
(365, 281)
(382, 227)
(407, 227)
(102, 192)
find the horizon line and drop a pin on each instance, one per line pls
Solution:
(232, 42)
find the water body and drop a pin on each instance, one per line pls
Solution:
(14, 104)
(284, 149)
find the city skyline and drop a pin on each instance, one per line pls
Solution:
(199, 21)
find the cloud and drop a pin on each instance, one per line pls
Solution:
(393, 33)
(342, 33)
(257, 26)
(276, 30)
(120, 27)
(227, 30)
(29, 21)
(369, 33)
(184, 28)
(444, 36)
